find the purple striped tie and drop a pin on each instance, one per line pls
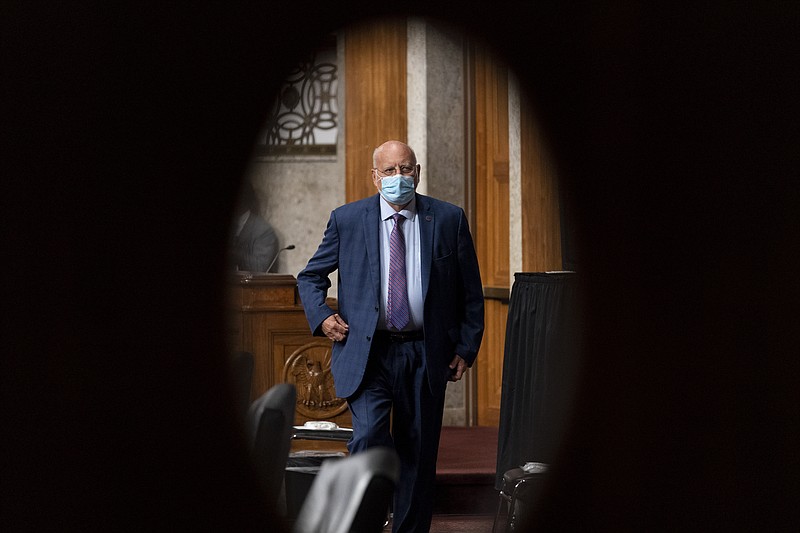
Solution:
(397, 313)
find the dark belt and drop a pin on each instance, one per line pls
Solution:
(399, 336)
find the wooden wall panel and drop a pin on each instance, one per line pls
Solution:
(375, 98)
(492, 228)
(492, 170)
(541, 234)
(490, 364)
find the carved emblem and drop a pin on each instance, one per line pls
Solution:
(309, 368)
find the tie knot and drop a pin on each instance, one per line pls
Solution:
(398, 218)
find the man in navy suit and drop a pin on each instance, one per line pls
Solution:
(410, 319)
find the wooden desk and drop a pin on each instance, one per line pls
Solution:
(267, 320)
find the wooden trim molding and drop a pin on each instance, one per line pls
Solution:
(497, 293)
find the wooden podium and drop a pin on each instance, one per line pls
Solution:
(267, 320)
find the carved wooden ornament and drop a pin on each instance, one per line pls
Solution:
(309, 369)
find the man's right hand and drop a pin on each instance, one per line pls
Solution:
(335, 328)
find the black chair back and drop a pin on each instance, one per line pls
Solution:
(242, 377)
(351, 494)
(269, 423)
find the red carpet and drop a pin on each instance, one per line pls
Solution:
(467, 451)
(465, 472)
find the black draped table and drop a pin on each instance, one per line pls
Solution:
(539, 368)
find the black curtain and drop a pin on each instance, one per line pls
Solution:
(539, 368)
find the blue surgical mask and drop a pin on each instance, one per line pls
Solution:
(397, 189)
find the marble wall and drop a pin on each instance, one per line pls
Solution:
(443, 141)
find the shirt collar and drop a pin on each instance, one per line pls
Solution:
(409, 211)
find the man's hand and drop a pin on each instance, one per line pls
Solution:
(335, 328)
(458, 366)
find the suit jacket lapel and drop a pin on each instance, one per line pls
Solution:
(372, 221)
(426, 226)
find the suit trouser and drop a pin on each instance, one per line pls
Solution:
(395, 384)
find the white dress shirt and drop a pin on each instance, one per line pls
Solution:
(413, 262)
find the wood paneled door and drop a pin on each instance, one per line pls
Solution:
(539, 209)
(491, 141)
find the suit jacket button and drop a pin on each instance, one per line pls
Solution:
(369, 338)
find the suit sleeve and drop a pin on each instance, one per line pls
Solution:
(472, 321)
(313, 282)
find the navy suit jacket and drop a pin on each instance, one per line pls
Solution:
(451, 288)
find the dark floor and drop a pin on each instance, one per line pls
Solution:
(462, 523)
